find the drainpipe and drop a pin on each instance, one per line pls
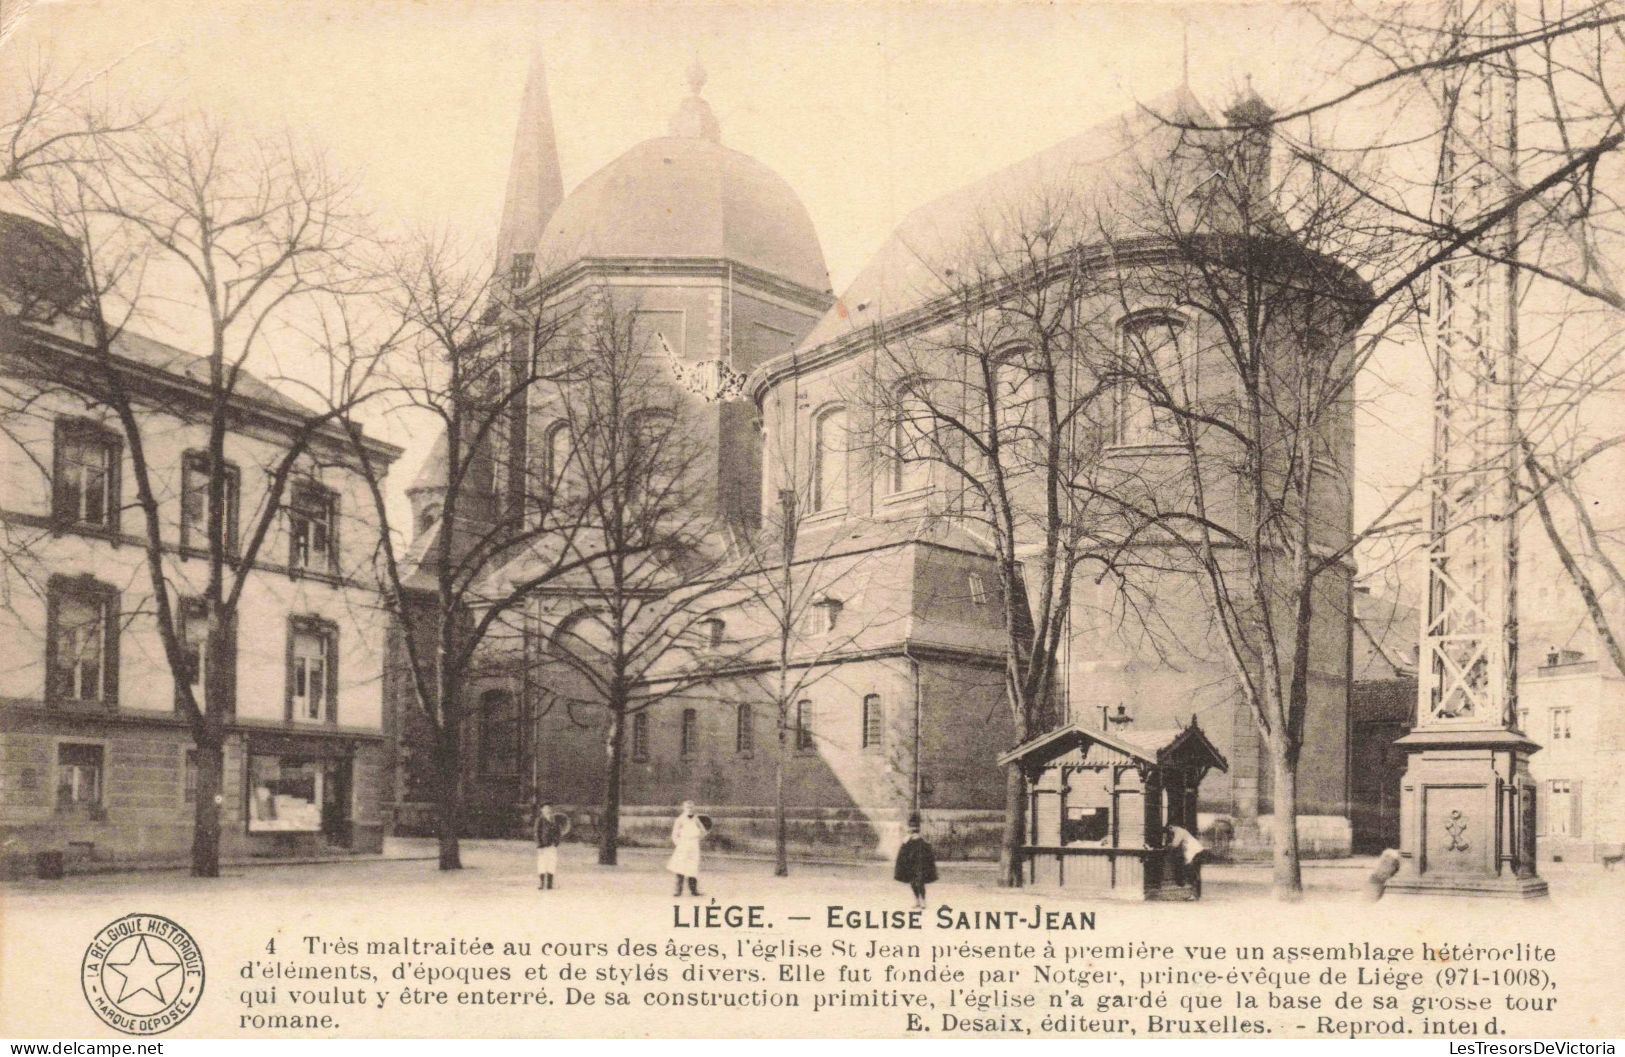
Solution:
(914, 675)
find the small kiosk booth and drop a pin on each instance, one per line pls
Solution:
(1097, 802)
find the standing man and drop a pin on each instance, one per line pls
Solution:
(550, 831)
(1187, 854)
(686, 834)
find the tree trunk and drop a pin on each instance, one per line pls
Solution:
(449, 798)
(1015, 828)
(1287, 881)
(206, 810)
(609, 828)
(781, 837)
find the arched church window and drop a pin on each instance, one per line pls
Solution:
(1156, 377)
(560, 453)
(910, 440)
(830, 450)
(499, 733)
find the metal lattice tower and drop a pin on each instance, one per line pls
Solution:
(1468, 670)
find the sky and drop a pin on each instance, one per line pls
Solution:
(866, 109)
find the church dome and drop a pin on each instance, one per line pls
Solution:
(687, 195)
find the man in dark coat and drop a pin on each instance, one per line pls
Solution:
(916, 862)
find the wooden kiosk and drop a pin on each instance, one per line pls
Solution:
(1097, 802)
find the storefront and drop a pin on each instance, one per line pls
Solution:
(299, 795)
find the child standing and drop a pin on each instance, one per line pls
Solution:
(916, 862)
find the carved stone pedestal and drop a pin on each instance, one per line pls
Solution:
(1467, 815)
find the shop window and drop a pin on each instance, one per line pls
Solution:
(195, 502)
(312, 678)
(872, 721)
(85, 477)
(82, 636)
(1086, 824)
(284, 794)
(79, 777)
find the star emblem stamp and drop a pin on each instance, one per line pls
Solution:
(142, 974)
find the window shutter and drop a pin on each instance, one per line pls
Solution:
(1576, 813)
(287, 669)
(115, 481)
(227, 663)
(59, 505)
(1542, 802)
(53, 621)
(110, 613)
(333, 565)
(331, 634)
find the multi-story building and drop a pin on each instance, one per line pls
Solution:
(97, 759)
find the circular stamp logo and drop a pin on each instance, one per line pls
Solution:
(142, 974)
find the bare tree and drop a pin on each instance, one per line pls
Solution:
(792, 584)
(468, 350)
(653, 565)
(223, 237)
(995, 403)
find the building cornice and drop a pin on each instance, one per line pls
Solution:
(156, 385)
(720, 269)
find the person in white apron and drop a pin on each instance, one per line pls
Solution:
(1188, 855)
(550, 832)
(686, 834)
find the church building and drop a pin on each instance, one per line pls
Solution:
(900, 699)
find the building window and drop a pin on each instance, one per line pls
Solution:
(190, 792)
(826, 615)
(872, 721)
(85, 481)
(1560, 724)
(81, 641)
(311, 515)
(312, 678)
(909, 427)
(690, 741)
(640, 736)
(978, 590)
(560, 451)
(1559, 807)
(830, 445)
(78, 777)
(195, 502)
(804, 726)
(428, 517)
(193, 633)
(711, 630)
(499, 733)
(744, 730)
(1523, 719)
(284, 794)
(1153, 376)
